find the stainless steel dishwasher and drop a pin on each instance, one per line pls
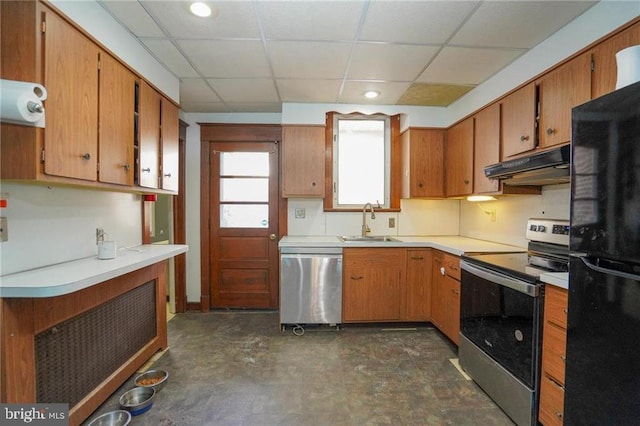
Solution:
(310, 287)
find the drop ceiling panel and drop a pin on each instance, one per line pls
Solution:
(320, 91)
(424, 22)
(245, 90)
(315, 60)
(227, 59)
(255, 107)
(204, 107)
(234, 19)
(463, 65)
(391, 62)
(353, 92)
(168, 54)
(133, 16)
(197, 90)
(521, 24)
(326, 20)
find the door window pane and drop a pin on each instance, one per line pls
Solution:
(244, 189)
(244, 164)
(244, 215)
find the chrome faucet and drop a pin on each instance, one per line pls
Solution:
(365, 227)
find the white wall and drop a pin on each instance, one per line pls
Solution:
(49, 225)
(512, 213)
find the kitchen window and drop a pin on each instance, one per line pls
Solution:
(361, 164)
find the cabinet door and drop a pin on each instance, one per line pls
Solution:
(418, 286)
(560, 90)
(149, 123)
(486, 148)
(423, 161)
(169, 128)
(458, 154)
(303, 161)
(438, 290)
(71, 79)
(518, 121)
(117, 92)
(605, 71)
(452, 324)
(371, 284)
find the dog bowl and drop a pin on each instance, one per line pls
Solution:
(112, 418)
(155, 379)
(137, 400)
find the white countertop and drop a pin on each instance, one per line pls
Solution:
(452, 244)
(68, 277)
(559, 279)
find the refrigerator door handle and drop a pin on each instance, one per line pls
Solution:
(613, 272)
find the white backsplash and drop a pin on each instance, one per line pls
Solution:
(512, 213)
(49, 225)
(418, 217)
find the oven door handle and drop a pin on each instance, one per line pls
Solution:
(493, 276)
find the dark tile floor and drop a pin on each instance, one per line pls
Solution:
(238, 368)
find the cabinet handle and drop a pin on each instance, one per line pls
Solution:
(563, 358)
(167, 175)
(558, 414)
(565, 311)
(127, 167)
(313, 184)
(357, 278)
(420, 185)
(442, 270)
(417, 257)
(148, 170)
(524, 138)
(87, 156)
(550, 131)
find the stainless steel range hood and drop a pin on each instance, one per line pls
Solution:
(542, 168)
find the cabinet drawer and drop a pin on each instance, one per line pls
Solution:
(551, 402)
(554, 343)
(452, 266)
(555, 305)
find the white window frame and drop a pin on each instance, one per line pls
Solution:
(386, 202)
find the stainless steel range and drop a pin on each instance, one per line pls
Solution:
(501, 305)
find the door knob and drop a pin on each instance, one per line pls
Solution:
(272, 237)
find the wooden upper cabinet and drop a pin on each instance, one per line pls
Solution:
(303, 156)
(605, 69)
(486, 148)
(71, 79)
(149, 128)
(422, 163)
(559, 91)
(169, 156)
(458, 159)
(117, 102)
(518, 121)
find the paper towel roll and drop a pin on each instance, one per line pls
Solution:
(21, 102)
(628, 61)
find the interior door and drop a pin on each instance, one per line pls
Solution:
(243, 224)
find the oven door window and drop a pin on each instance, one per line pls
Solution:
(502, 322)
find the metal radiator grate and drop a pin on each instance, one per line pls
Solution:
(75, 356)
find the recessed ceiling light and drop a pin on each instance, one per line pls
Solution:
(371, 94)
(200, 9)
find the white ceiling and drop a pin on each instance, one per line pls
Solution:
(255, 54)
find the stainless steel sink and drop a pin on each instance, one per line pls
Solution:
(368, 238)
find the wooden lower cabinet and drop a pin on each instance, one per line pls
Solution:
(372, 281)
(554, 344)
(445, 294)
(418, 286)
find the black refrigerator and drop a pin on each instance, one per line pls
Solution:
(602, 382)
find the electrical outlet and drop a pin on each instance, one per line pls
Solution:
(300, 213)
(99, 235)
(392, 222)
(4, 229)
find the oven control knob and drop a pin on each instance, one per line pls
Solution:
(542, 228)
(533, 228)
